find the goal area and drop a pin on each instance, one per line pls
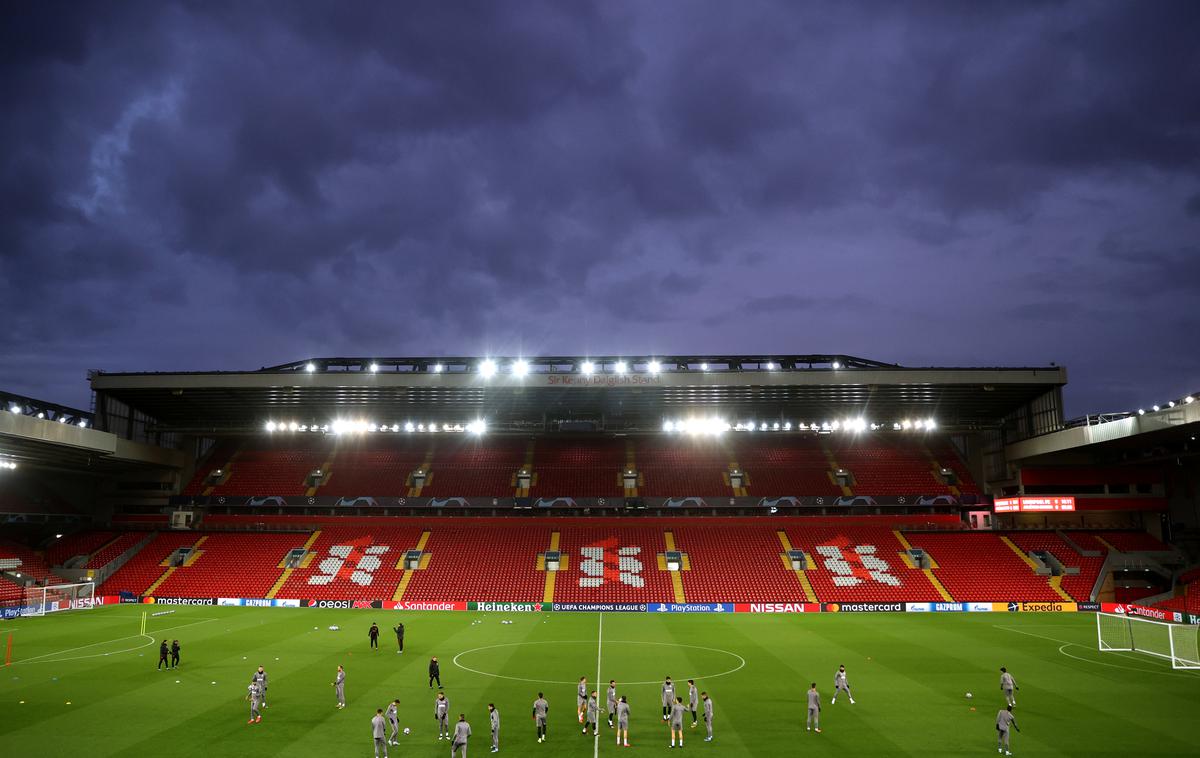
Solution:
(1177, 643)
(52, 598)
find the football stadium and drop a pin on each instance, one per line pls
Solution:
(260, 562)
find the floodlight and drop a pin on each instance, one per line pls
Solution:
(836, 364)
(1141, 411)
(520, 368)
(58, 536)
(293, 426)
(775, 426)
(304, 427)
(43, 415)
(14, 408)
(420, 427)
(371, 427)
(587, 368)
(1155, 408)
(930, 424)
(487, 369)
(310, 367)
(63, 419)
(1189, 399)
(704, 367)
(654, 367)
(770, 366)
(395, 427)
(836, 425)
(438, 368)
(477, 427)
(620, 367)
(83, 423)
(906, 424)
(762, 427)
(668, 426)
(787, 426)
(374, 367)
(1171, 404)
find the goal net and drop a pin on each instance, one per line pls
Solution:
(1177, 643)
(58, 597)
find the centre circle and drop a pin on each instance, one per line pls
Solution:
(587, 657)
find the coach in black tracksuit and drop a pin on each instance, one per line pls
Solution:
(374, 635)
(162, 655)
(435, 672)
(399, 630)
(174, 653)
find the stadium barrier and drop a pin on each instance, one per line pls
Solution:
(1129, 609)
(559, 503)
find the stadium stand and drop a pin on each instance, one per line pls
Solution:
(578, 467)
(786, 466)
(218, 457)
(682, 467)
(482, 559)
(80, 543)
(350, 563)
(475, 468)
(145, 568)
(1078, 586)
(979, 566)
(1128, 541)
(114, 549)
(232, 565)
(621, 567)
(27, 562)
(742, 562)
(889, 468)
(840, 572)
(359, 469)
(273, 469)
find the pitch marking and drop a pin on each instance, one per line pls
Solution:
(455, 661)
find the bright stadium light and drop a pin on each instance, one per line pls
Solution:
(1141, 411)
(374, 367)
(1189, 399)
(371, 426)
(1155, 407)
(770, 366)
(587, 368)
(620, 367)
(520, 368)
(668, 426)
(395, 427)
(293, 426)
(787, 426)
(654, 367)
(43, 415)
(836, 364)
(477, 427)
(487, 369)
(438, 368)
(304, 427)
(930, 424)
(14, 408)
(835, 425)
(410, 426)
(1171, 404)
(83, 423)
(704, 367)
(775, 426)
(310, 367)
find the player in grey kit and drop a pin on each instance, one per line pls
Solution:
(260, 677)
(840, 684)
(1004, 719)
(814, 710)
(677, 711)
(1007, 685)
(254, 695)
(393, 717)
(494, 718)
(462, 732)
(581, 693)
(668, 697)
(708, 715)
(441, 714)
(593, 712)
(540, 709)
(623, 720)
(378, 732)
(611, 701)
(693, 700)
(339, 687)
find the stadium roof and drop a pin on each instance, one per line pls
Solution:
(619, 393)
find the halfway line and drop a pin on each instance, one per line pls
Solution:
(599, 644)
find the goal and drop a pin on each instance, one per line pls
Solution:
(1177, 643)
(58, 597)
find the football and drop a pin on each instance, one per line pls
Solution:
(969, 696)
(406, 730)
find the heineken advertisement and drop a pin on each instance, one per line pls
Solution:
(511, 607)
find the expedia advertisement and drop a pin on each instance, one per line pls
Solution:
(863, 607)
(510, 607)
(1063, 607)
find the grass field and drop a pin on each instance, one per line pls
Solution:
(84, 683)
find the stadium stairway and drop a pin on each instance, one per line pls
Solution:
(230, 565)
(1077, 586)
(353, 563)
(305, 560)
(145, 569)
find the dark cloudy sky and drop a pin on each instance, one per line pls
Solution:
(231, 185)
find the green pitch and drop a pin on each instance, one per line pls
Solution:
(85, 683)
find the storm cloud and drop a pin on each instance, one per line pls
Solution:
(230, 185)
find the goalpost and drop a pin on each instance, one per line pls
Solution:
(1178, 643)
(58, 597)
